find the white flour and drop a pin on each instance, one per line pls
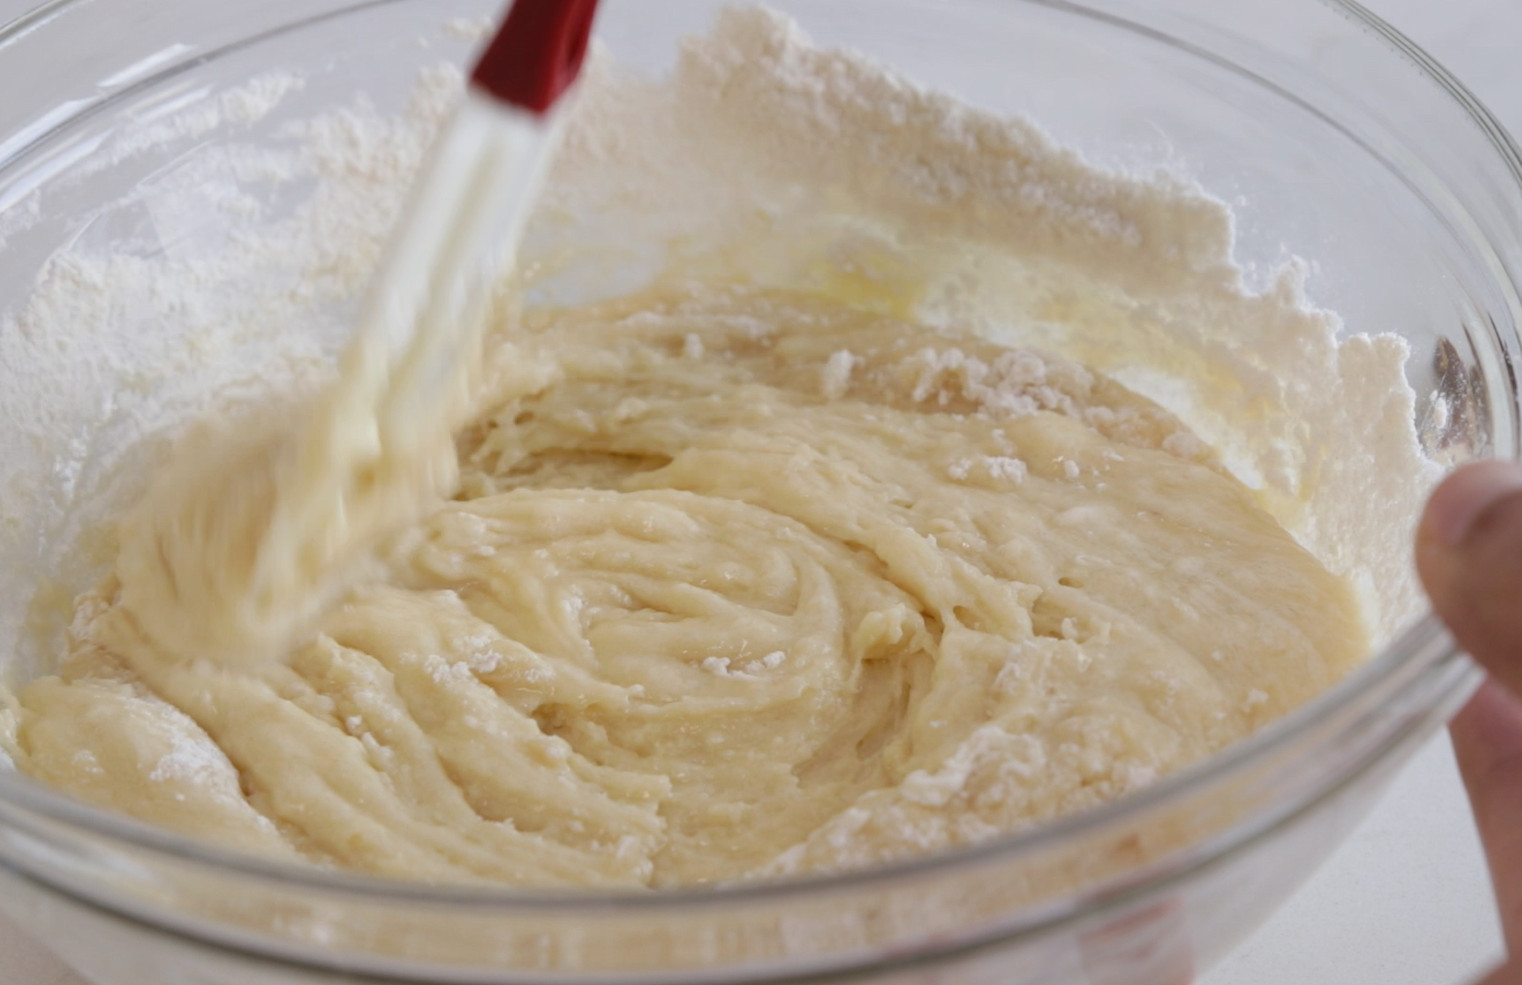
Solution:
(797, 166)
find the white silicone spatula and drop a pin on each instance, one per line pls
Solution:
(377, 450)
(458, 239)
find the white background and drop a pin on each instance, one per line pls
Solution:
(1406, 900)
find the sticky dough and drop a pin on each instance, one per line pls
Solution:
(734, 584)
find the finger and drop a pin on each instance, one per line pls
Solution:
(1508, 975)
(1487, 741)
(1469, 553)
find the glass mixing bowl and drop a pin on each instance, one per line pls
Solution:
(1333, 137)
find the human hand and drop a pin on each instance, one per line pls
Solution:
(1469, 553)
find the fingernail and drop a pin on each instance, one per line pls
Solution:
(1459, 502)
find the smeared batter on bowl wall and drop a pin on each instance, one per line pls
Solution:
(737, 582)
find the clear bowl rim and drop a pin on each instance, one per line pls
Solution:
(1423, 650)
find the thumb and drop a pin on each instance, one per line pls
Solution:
(1469, 554)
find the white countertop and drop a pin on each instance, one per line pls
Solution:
(1406, 900)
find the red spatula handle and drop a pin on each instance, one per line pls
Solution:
(537, 53)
